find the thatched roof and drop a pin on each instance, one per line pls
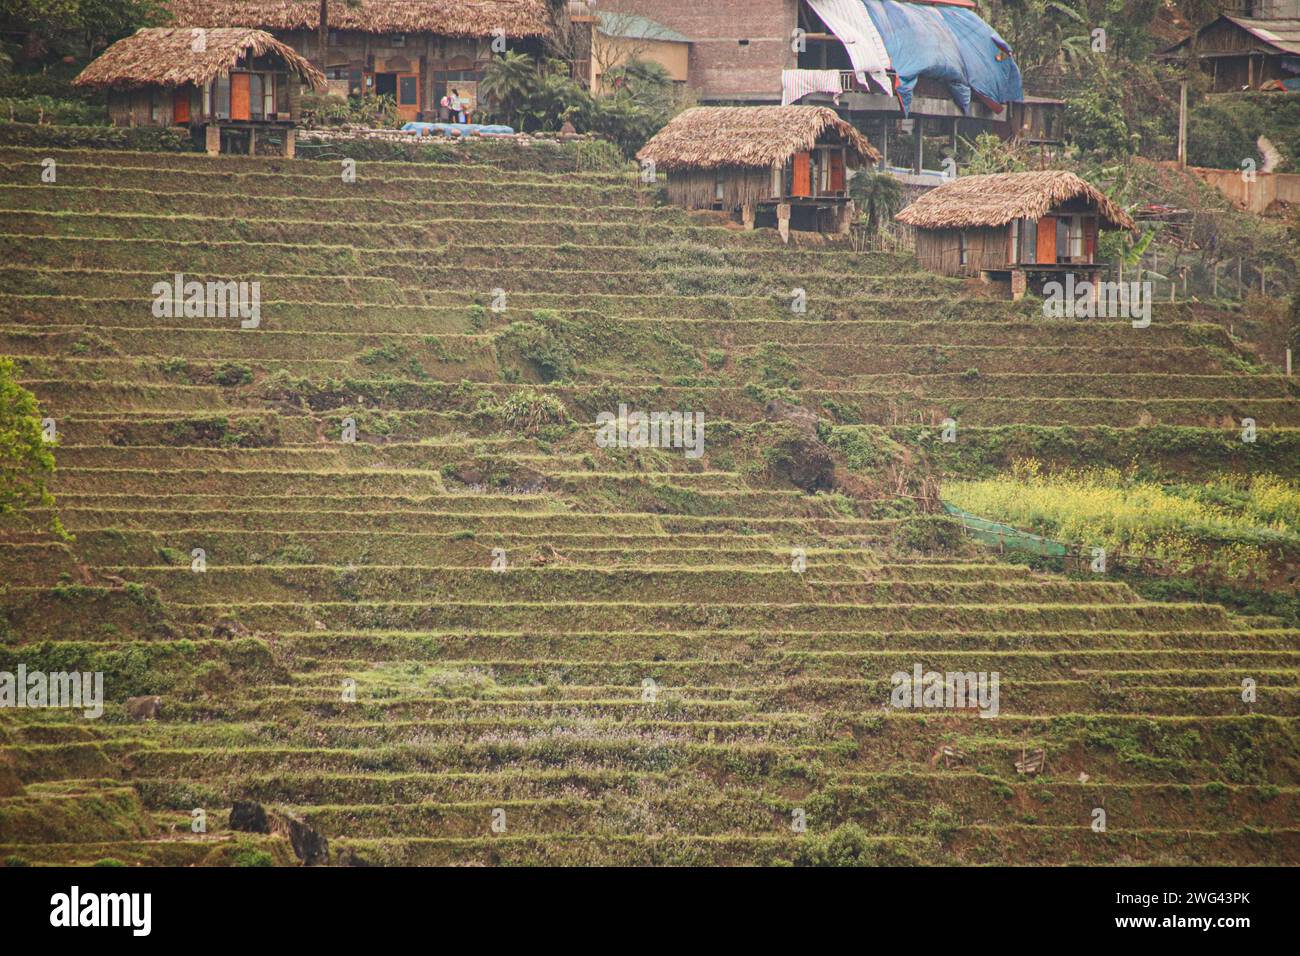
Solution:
(454, 18)
(166, 56)
(974, 201)
(708, 137)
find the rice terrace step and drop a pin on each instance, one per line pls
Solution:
(562, 500)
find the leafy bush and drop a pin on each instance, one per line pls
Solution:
(1097, 127)
(329, 109)
(529, 410)
(847, 845)
(26, 463)
(1220, 135)
(231, 374)
(53, 83)
(1224, 130)
(531, 96)
(538, 347)
(47, 110)
(159, 139)
(252, 856)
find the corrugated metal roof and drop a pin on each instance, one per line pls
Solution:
(1283, 34)
(630, 26)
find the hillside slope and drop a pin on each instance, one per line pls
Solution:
(645, 679)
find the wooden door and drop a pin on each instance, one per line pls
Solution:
(837, 172)
(181, 106)
(1046, 250)
(1090, 238)
(802, 184)
(240, 102)
(408, 96)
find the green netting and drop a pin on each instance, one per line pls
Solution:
(991, 532)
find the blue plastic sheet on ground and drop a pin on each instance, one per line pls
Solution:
(458, 129)
(949, 44)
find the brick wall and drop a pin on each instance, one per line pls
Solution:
(721, 68)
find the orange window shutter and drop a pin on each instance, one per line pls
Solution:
(1090, 237)
(181, 106)
(240, 107)
(837, 172)
(802, 185)
(1046, 240)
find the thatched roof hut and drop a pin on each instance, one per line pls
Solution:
(452, 18)
(790, 162)
(754, 137)
(970, 202)
(165, 56)
(1011, 225)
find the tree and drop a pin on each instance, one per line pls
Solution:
(79, 28)
(619, 39)
(989, 154)
(1098, 126)
(509, 79)
(323, 28)
(879, 196)
(26, 463)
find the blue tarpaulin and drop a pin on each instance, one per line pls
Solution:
(946, 43)
(456, 129)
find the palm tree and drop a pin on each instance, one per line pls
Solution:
(509, 79)
(879, 196)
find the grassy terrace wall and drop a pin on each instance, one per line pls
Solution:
(647, 680)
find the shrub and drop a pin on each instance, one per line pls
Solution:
(328, 109)
(26, 464)
(528, 410)
(48, 110)
(232, 374)
(252, 856)
(539, 348)
(157, 139)
(846, 845)
(55, 83)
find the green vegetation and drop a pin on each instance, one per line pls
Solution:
(48, 110)
(26, 462)
(640, 656)
(1234, 540)
(1225, 130)
(532, 96)
(1230, 528)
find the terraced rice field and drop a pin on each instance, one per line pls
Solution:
(645, 679)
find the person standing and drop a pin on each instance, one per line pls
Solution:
(457, 107)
